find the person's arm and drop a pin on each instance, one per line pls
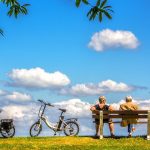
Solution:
(121, 107)
(93, 108)
(111, 108)
(136, 107)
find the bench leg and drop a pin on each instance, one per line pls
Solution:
(148, 126)
(101, 125)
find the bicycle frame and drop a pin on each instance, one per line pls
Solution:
(54, 127)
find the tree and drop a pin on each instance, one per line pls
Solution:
(14, 9)
(99, 9)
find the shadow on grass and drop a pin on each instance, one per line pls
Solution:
(117, 137)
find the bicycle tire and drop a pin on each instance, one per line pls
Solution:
(8, 134)
(71, 125)
(35, 127)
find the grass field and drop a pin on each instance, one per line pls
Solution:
(74, 143)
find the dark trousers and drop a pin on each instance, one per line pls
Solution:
(130, 126)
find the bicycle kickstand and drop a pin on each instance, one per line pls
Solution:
(55, 134)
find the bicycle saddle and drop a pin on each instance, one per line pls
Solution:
(63, 110)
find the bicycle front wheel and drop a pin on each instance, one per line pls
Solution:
(71, 128)
(35, 129)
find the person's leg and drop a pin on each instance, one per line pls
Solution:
(130, 126)
(133, 128)
(111, 128)
(97, 129)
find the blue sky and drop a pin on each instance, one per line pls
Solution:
(47, 55)
(54, 36)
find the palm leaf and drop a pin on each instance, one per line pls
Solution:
(1, 32)
(78, 3)
(110, 10)
(100, 16)
(103, 3)
(90, 11)
(26, 5)
(95, 10)
(23, 10)
(10, 12)
(107, 7)
(98, 3)
(85, 1)
(107, 14)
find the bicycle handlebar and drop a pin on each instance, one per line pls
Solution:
(48, 104)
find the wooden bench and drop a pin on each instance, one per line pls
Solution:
(118, 114)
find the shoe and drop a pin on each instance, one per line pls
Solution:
(96, 135)
(130, 135)
(112, 135)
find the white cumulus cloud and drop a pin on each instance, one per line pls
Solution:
(14, 96)
(2, 92)
(17, 112)
(37, 78)
(18, 96)
(107, 86)
(75, 107)
(114, 86)
(107, 39)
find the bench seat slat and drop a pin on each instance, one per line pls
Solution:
(123, 112)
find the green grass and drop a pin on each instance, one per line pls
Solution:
(74, 143)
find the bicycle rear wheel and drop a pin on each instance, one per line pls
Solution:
(35, 129)
(8, 133)
(71, 128)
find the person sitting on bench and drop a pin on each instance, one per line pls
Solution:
(102, 106)
(129, 105)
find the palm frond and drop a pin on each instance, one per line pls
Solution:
(78, 3)
(85, 2)
(98, 3)
(103, 3)
(100, 16)
(1, 32)
(107, 14)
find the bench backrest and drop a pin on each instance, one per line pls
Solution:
(122, 114)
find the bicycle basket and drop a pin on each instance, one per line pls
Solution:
(6, 124)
